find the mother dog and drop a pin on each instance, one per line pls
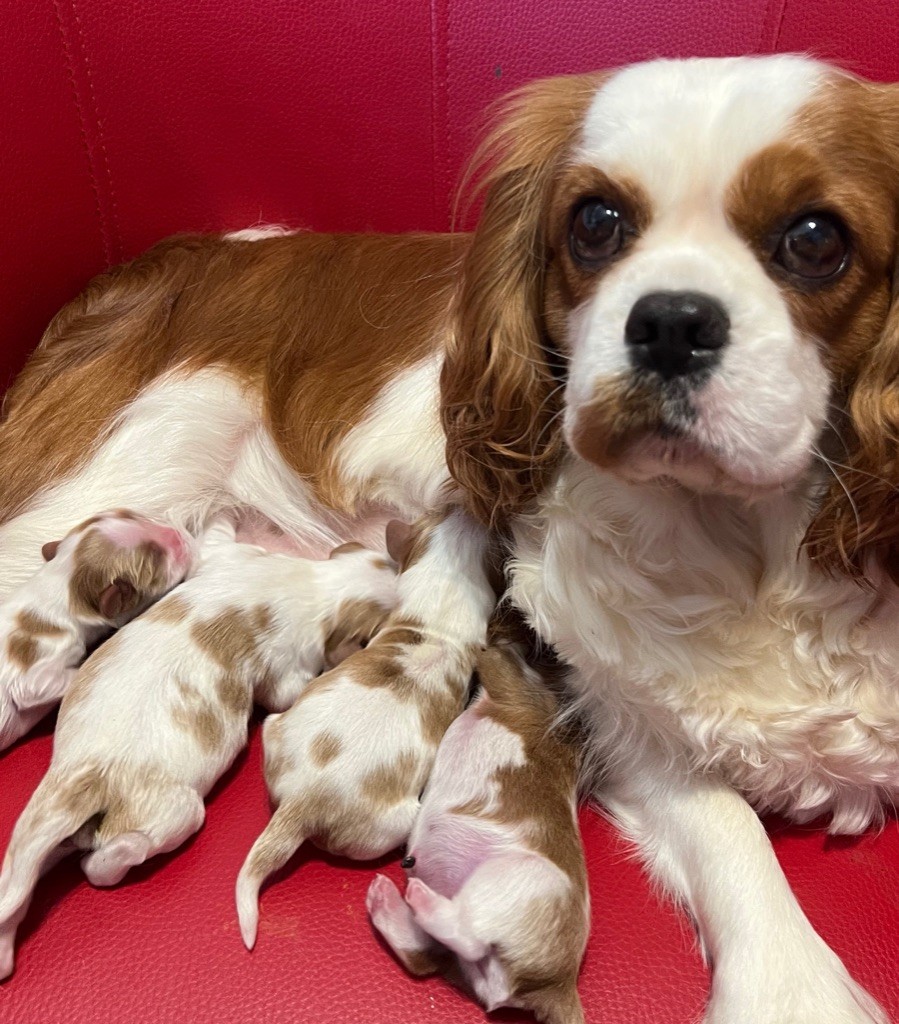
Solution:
(665, 364)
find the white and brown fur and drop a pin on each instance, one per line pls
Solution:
(497, 879)
(346, 764)
(715, 558)
(157, 714)
(99, 576)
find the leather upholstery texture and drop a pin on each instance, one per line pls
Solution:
(122, 122)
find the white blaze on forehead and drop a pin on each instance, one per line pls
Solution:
(682, 129)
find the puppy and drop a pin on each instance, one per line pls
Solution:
(100, 575)
(498, 884)
(346, 764)
(157, 715)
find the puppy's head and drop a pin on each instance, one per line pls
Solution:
(118, 562)
(685, 270)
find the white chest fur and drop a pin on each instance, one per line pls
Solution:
(692, 622)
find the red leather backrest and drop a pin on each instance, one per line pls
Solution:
(125, 122)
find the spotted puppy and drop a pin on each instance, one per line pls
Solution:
(100, 575)
(346, 764)
(498, 884)
(158, 713)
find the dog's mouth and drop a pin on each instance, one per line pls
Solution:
(665, 454)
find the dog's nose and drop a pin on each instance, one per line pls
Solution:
(675, 333)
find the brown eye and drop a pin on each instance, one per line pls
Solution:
(814, 246)
(596, 232)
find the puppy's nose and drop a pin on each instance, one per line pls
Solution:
(676, 333)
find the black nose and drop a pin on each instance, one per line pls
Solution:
(674, 333)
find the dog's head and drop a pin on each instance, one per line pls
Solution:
(685, 269)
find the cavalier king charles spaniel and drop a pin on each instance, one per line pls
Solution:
(663, 369)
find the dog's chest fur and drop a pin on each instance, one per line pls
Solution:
(693, 616)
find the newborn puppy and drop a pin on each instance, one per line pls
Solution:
(100, 575)
(498, 884)
(346, 764)
(159, 712)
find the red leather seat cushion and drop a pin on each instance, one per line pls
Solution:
(125, 122)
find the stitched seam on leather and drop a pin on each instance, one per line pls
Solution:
(780, 23)
(769, 30)
(432, 8)
(82, 127)
(439, 107)
(116, 239)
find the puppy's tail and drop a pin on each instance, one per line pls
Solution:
(280, 840)
(55, 811)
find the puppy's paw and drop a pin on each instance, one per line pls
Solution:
(109, 865)
(383, 898)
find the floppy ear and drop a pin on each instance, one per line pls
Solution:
(399, 538)
(498, 394)
(48, 551)
(119, 597)
(857, 525)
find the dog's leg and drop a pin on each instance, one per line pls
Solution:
(392, 917)
(445, 601)
(174, 821)
(706, 845)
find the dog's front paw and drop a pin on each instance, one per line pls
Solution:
(831, 998)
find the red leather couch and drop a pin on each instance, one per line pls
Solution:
(121, 122)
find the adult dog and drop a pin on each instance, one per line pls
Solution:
(665, 363)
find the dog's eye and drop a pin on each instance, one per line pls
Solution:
(814, 246)
(596, 232)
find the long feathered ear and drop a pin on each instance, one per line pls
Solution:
(857, 526)
(499, 396)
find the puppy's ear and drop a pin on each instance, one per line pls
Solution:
(119, 597)
(400, 537)
(498, 391)
(49, 550)
(343, 549)
(857, 525)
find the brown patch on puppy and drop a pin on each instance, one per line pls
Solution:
(439, 708)
(84, 794)
(232, 637)
(388, 784)
(22, 649)
(235, 696)
(539, 792)
(172, 610)
(198, 717)
(406, 633)
(324, 748)
(622, 410)
(537, 800)
(352, 625)
(32, 622)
